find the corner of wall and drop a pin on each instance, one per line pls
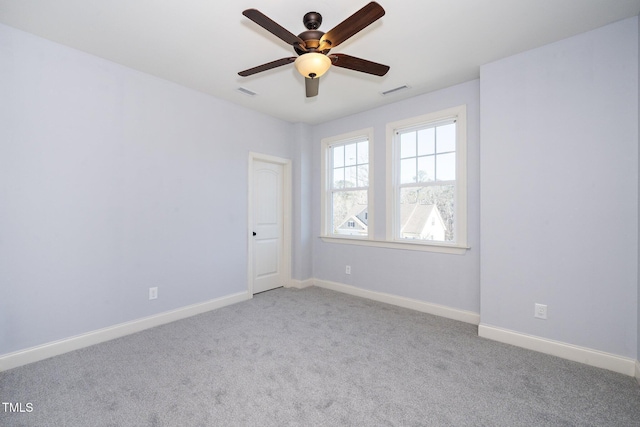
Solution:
(300, 284)
(638, 264)
(302, 247)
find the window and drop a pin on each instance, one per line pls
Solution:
(426, 179)
(346, 191)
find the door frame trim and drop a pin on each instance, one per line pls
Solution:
(286, 213)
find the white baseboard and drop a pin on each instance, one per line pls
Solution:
(300, 284)
(575, 353)
(55, 348)
(425, 307)
(638, 371)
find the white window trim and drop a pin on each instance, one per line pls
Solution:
(408, 245)
(325, 184)
(460, 114)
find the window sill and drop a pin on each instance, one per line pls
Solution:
(409, 246)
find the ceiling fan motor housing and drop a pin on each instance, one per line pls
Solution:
(312, 36)
(312, 20)
(311, 41)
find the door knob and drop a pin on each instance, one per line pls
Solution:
(254, 233)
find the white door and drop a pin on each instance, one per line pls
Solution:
(268, 219)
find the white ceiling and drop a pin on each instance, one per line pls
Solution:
(202, 44)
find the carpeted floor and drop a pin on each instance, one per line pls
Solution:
(315, 357)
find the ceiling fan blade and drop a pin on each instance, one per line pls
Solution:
(311, 86)
(267, 66)
(350, 26)
(273, 27)
(358, 64)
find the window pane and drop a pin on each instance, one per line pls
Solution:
(408, 170)
(426, 141)
(338, 178)
(363, 176)
(350, 177)
(350, 213)
(426, 188)
(347, 163)
(338, 156)
(446, 167)
(350, 154)
(426, 168)
(407, 145)
(427, 213)
(363, 152)
(446, 138)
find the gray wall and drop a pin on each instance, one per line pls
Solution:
(302, 237)
(112, 181)
(450, 280)
(559, 184)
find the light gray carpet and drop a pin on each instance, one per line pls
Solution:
(315, 357)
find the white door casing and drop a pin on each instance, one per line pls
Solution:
(270, 219)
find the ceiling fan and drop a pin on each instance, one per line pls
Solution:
(313, 46)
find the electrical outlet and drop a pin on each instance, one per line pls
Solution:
(153, 293)
(348, 269)
(540, 311)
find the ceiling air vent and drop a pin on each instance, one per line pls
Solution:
(246, 91)
(394, 90)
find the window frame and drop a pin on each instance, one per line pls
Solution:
(326, 230)
(459, 114)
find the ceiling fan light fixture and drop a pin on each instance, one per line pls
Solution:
(312, 65)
